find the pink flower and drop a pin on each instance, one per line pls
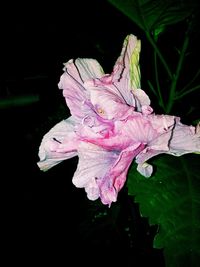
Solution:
(111, 124)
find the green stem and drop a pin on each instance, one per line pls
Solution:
(176, 75)
(184, 89)
(151, 87)
(161, 102)
(188, 92)
(156, 49)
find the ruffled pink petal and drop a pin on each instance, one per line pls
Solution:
(114, 180)
(121, 70)
(94, 163)
(94, 127)
(136, 128)
(141, 101)
(58, 144)
(112, 140)
(175, 139)
(103, 173)
(72, 84)
(162, 123)
(185, 139)
(162, 126)
(139, 128)
(84, 69)
(107, 103)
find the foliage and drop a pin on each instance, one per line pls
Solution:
(170, 198)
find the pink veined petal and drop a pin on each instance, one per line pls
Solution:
(159, 143)
(113, 140)
(94, 127)
(84, 69)
(135, 129)
(103, 173)
(107, 103)
(72, 83)
(185, 139)
(121, 70)
(178, 140)
(114, 180)
(140, 129)
(58, 144)
(134, 96)
(75, 96)
(162, 123)
(94, 163)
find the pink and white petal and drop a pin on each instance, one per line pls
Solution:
(75, 96)
(92, 190)
(185, 139)
(84, 69)
(162, 123)
(141, 101)
(159, 144)
(94, 163)
(114, 180)
(139, 129)
(108, 104)
(58, 144)
(72, 83)
(145, 169)
(107, 138)
(136, 129)
(121, 72)
(93, 128)
(178, 140)
(147, 154)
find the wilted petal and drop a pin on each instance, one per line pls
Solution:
(57, 145)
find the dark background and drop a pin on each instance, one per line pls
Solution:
(47, 219)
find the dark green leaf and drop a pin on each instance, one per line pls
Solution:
(154, 15)
(171, 199)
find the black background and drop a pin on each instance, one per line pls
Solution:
(46, 218)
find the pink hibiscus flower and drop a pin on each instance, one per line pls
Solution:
(111, 124)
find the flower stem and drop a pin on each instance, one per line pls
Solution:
(156, 49)
(188, 92)
(176, 75)
(161, 102)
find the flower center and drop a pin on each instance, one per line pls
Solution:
(100, 111)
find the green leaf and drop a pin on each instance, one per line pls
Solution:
(171, 199)
(154, 15)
